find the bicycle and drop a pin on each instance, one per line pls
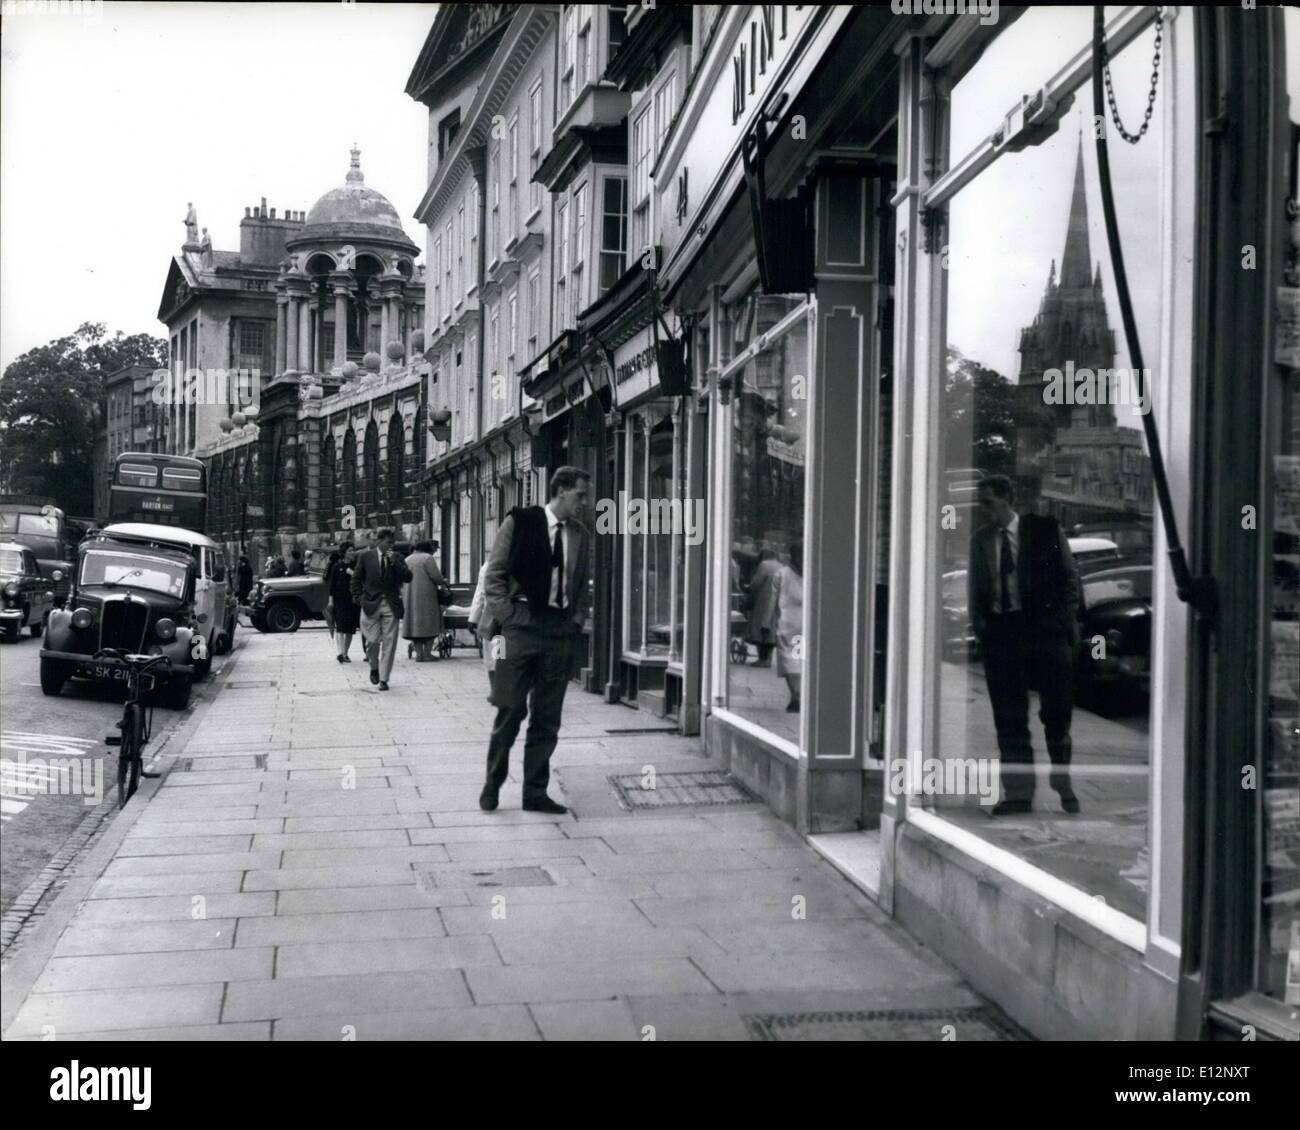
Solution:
(136, 725)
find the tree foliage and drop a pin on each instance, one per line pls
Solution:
(51, 402)
(980, 410)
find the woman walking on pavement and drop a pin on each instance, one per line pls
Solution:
(423, 621)
(344, 609)
(763, 613)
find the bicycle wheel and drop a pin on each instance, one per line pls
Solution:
(129, 756)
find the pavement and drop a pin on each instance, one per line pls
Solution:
(314, 865)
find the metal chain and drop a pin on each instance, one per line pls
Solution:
(1133, 139)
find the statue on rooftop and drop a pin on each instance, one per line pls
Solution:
(191, 225)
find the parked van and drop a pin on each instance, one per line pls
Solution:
(215, 608)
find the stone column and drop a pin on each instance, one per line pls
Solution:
(291, 333)
(281, 312)
(384, 328)
(340, 323)
(303, 361)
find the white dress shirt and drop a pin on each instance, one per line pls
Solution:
(551, 522)
(1013, 582)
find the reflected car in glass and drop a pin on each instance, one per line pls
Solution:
(1114, 660)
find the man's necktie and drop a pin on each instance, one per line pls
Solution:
(557, 562)
(1006, 569)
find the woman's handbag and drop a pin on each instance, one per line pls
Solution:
(445, 596)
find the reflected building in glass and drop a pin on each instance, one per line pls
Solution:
(1074, 460)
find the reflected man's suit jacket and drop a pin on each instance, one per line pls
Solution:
(1047, 577)
(500, 589)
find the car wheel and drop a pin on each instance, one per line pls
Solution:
(54, 673)
(178, 692)
(283, 617)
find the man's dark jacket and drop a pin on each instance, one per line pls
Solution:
(370, 582)
(1047, 575)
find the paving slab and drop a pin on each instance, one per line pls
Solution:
(361, 994)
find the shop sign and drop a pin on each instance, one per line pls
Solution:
(763, 43)
(786, 452)
(635, 370)
(555, 405)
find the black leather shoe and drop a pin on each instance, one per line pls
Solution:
(339, 658)
(374, 676)
(1012, 808)
(1070, 804)
(546, 804)
(383, 686)
(487, 799)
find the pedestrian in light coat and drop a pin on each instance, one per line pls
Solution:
(422, 623)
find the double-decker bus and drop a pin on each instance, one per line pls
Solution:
(167, 490)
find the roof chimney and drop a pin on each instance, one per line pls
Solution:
(264, 207)
(273, 213)
(246, 212)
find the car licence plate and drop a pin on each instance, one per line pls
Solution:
(103, 671)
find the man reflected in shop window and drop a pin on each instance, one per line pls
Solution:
(1024, 603)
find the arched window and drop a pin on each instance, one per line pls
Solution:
(328, 509)
(350, 467)
(370, 470)
(396, 500)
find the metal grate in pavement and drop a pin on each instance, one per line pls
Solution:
(983, 1024)
(502, 877)
(680, 790)
(249, 684)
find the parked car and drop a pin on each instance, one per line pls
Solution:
(28, 595)
(125, 596)
(214, 612)
(1114, 659)
(280, 604)
(38, 524)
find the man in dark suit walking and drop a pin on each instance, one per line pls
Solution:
(1024, 602)
(535, 596)
(377, 581)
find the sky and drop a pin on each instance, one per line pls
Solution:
(110, 126)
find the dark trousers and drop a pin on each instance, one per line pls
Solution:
(530, 680)
(1012, 649)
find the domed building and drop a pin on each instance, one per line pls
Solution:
(352, 266)
(333, 436)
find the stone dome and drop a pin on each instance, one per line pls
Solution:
(352, 208)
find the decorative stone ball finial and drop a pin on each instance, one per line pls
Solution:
(396, 350)
(372, 361)
(349, 370)
(417, 341)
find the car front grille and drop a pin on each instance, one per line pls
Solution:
(123, 623)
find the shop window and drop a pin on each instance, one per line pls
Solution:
(1278, 946)
(1042, 672)
(768, 443)
(654, 526)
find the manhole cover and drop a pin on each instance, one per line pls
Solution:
(504, 877)
(708, 787)
(886, 1024)
(248, 684)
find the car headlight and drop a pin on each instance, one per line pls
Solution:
(83, 618)
(11, 589)
(165, 629)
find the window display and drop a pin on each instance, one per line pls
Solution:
(769, 432)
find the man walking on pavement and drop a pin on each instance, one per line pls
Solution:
(535, 592)
(377, 587)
